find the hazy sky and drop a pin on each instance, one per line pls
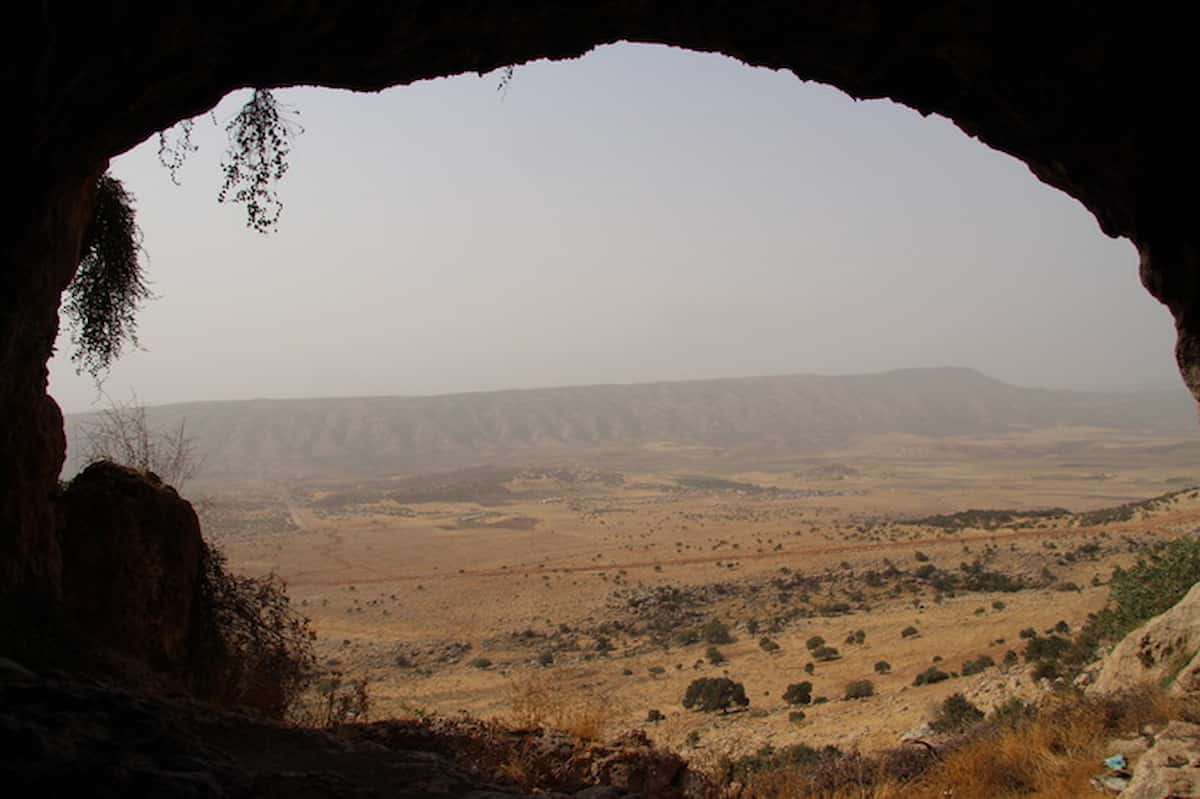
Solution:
(642, 213)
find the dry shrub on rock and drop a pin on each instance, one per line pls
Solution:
(258, 652)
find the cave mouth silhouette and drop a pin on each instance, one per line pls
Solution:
(1094, 99)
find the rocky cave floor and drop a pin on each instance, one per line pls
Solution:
(60, 735)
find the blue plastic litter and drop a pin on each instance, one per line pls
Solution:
(1116, 762)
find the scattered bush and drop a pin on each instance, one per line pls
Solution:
(930, 676)
(798, 693)
(883, 667)
(685, 637)
(1050, 648)
(480, 663)
(823, 654)
(710, 694)
(716, 632)
(815, 642)
(909, 632)
(956, 714)
(714, 656)
(768, 645)
(860, 689)
(1046, 670)
(796, 716)
(654, 716)
(979, 664)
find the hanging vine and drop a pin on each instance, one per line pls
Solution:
(110, 285)
(256, 160)
(173, 150)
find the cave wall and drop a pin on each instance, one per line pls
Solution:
(1093, 97)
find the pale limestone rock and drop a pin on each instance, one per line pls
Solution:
(1162, 650)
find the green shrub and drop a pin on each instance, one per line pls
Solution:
(685, 637)
(714, 656)
(1046, 670)
(768, 645)
(883, 667)
(814, 642)
(1050, 648)
(795, 758)
(796, 716)
(1150, 587)
(979, 664)
(1013, 713)
(930, 676)
(956, 714)
(716, 632)
(860, 689)
(480, 663)
(710, 694)
(824, 654)
(799, 693)
(909, 632)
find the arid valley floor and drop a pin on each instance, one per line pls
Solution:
(584, 587)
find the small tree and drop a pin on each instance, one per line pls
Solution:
(710, 694)
(882, 667)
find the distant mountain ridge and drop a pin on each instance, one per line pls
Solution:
(794, 413)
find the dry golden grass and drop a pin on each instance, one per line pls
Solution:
(539, 700)
(1051, 756)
